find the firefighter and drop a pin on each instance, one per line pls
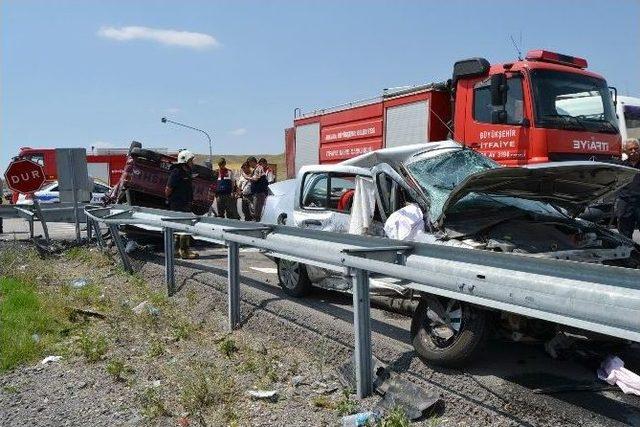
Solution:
(628, 202)
(225, 189)
(179, 193)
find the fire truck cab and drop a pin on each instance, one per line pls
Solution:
(511, 112)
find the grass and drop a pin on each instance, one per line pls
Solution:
(395, 418)
(24, 313)
(152, 403)
(228, 346)
(92, 347)
(205, 386)
(117, 369)
(322, 402)
(346, 405)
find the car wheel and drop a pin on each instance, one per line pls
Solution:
(447, 332)
(293, 278)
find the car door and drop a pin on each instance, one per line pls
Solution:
(325, 201)
(393, 192)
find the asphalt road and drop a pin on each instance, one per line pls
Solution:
(498, 388)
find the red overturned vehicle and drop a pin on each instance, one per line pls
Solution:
(145, 176)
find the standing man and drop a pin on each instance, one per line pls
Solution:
(628, 203)
(271, 177)
(259, 187)
(179, 193)
(225, 188)
(244, 191)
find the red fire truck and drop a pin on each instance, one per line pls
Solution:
(515, 113)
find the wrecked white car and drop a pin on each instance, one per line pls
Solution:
(444, 193)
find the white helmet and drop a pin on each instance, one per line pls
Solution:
(184, 156)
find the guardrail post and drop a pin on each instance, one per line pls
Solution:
(43, 220)
(362, 327)
(31, 231)
(169, 260)
(99, 238)
(115, 235)
(89, 230)
(233, 293)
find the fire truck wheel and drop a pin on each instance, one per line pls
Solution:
(293, 278)
(447, 332)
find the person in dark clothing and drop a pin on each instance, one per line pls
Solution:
(259, 187)
(179, 193)
(225, 192)
(627, 206)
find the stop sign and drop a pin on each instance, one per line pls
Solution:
(24, 176)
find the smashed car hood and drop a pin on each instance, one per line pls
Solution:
(569, 185)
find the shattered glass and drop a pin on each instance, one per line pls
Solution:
(440, 174)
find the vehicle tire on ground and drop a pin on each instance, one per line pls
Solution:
(447, 332)
(147, 154)
(293, 278)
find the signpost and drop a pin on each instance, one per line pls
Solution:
(74, 184)
(25, 176)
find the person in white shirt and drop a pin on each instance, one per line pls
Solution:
(244, 191)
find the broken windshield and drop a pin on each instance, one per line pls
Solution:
(438, 175)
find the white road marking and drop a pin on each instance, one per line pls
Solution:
(266, 270)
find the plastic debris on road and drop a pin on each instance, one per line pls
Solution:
(360, 419)
(79, 283)
(50, 359)
(263, 394)
(612, 370)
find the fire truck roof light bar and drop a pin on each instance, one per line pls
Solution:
(558, 58)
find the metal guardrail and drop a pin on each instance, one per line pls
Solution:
(596, 298)
(44, 213)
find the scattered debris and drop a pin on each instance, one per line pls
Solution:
(569, 388)
(558, 346)
(87, 313)
(131, 246)
(146, 306)
(346, 372)
(360, 419)
(297, 380)
(613, 371)
(79, 283)
(263, 394)
(50, 359)
(400, 393)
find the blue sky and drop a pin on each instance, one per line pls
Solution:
(73, 74)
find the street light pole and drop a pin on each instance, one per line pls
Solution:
(165, 120)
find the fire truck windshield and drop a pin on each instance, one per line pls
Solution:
(572, 101)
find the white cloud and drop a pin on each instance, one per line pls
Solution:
(238, 132)
(172, 110)
(167, 37)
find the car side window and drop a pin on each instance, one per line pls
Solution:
(482, 107)
(328, 191)
(314, 193)
(54, 188)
